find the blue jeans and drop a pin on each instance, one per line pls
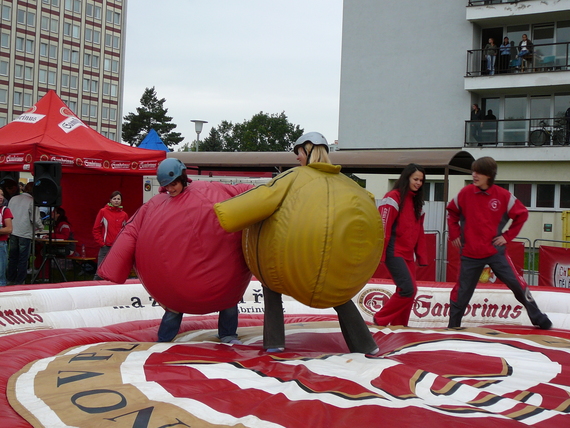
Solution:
(227, 325)
(3, 261)
(491, 64)
(18, 256)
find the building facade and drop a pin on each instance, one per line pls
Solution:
(411, 72)
(74, 47)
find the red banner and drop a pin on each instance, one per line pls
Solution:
(515, 250)
(554, 266)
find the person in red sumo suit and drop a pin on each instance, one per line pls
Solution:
(182, 256)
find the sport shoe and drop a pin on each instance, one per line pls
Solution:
(236, 342)
(545, 324)
(274, 350)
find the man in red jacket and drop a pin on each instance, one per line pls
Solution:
(476, 218)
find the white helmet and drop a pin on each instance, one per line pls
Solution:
(316, 138)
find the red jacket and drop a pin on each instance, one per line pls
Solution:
(108, 224)
(479, 216)
(410, 236)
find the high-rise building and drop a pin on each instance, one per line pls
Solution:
(412, 70)
(75, 47)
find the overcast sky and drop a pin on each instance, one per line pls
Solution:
(220, 60)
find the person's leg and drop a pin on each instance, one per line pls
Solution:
(24, 246)
(273, 320)
(3, 262)
(13, 255)
(354, 330)
(169, 326)
(228, 324)
(102, 254)
(469, 273)
(397, 310)
(505, 270)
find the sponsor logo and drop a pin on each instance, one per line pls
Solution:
(19, 317)
(93, 163)
(63, 160)
(561, 275)
(371, 300)
(148, 165)
(29, 118)
(66, 112)
(14, 158)
(70, 124)
(494, 204)
(120, 164)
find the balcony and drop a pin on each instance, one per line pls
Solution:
(545, 58)
(535, 132)
(497, 12)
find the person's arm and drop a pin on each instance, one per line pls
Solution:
(63, 231)
(7, 229)
(98, 229)
(421, 247)
(519, 214)
(389, 208)
(254, 205)
(453, 216)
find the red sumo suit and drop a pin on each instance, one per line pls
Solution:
(182, 256)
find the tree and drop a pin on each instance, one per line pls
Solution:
(263, 133)
(152, 114)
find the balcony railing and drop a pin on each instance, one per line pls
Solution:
(517, 132)
(544, 58)
(484, 2)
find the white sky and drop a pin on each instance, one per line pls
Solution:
(220, 60)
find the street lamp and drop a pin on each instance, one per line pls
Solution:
(199, 124)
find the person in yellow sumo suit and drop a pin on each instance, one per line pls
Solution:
(313, 234)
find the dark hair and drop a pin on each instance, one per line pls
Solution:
(486, 166)
(61, 215)
(182, 179)
(403, 186)
(116, 193)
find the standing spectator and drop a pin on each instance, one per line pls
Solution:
(567, 126)
(476, 118)
(26, 220)
(5, 231)
(490, 53)
(525, 49)
(505, 54)
(9, 188)
(490, 132)
(403, 218)
(476, 218)
(109, 222)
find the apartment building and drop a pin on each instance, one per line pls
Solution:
(411, 71)
(74, 47)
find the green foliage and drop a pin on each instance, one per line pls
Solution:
(263, 133)
(152, 114)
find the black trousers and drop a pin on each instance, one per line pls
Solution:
(353, 328)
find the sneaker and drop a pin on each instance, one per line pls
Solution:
(545, 324)
(236, 342)
(272, 350)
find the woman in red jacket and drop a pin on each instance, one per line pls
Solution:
(404, 243)
(108, 224)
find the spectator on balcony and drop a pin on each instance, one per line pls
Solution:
(476, 118)
(506, 53)
(567, 126)
(525, 48)
(490, 53)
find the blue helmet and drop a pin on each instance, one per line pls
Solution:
(169, 170)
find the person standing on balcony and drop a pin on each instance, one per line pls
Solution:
(476, 219)
(490, 53)
(525, 48)
(506, 51)
(567, 126)
(476, 118)
(402, 215)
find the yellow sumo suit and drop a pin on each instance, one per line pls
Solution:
(311, 233)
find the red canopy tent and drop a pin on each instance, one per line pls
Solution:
(92, 166)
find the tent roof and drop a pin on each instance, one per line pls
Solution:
(49, 131)
(153, 142)
(352, 161)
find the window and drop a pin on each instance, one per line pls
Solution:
(72, 106)
(54, 25)
(73, 82)
(19, 44)
(4, 68)
(42, 76)
(21, 16)
(116, 41)
(77, 6)
(89, 9)
(53, 52)
(17, 98)
(117, 18)
(96, 37)
(433, 191)
(68, 4)
(74, 57)
(107, 64)
(27, 100)
(540, 196)
(94, 86)
(76, 31)
(3, 96)
(19, 71)
(30, 46)
(87, 60)
(51, 77)
(94, 61)
(115, 67)
(108, 40)
(3, 121)
(6, 13)
(65, 80)
(66, 54)
(88, 34)
(105, 113)
(97, 11)
(111, 136)
(45, 23)
(109, 16)
(113, 114)
(31, 19)
(84, 109)
(67, 29)
(28, 72)
(113, 90)
(106, 88)
(5, 40)
(43, 49)
(85, 85)
(93, 110)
